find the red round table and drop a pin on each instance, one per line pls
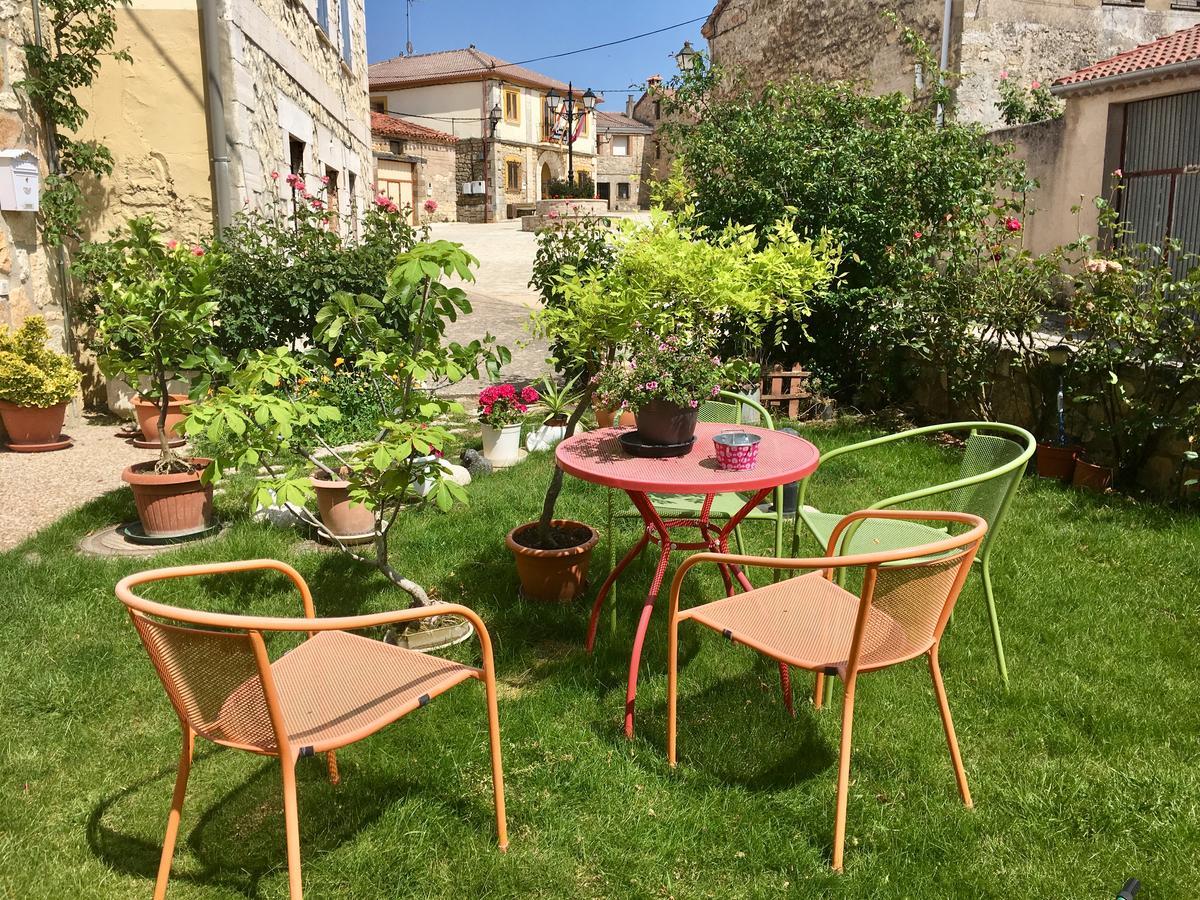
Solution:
(597, 456)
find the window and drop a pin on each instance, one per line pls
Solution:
(620, 145)
(295, 155)
(623, 190)
(512, 174)
(586, 124)
(352, 188)
(512, 106)
(658, 109)
(379, 104)
(1186, 5)
(323, 15)
(344, 15)
(333, 206)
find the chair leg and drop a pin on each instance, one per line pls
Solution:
(785, 685)
(828, 691)
(737, 539)
(172, 833)
(843, 789)
(948, 724)
(335, 777)
(672, 686)
(994, 620)
(612, 561)
(291, 820)
(493, 711)
(818, 698)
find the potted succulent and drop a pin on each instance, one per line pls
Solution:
(276, 415)
(557, 403)
(35, 385)
(501, 408)
(155, 318)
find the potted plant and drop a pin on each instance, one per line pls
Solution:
(665, 384)
(275, 414)
(1092, 476)
(35, 385)
(501, 408)
(155, 318)
(608, 389)
(557, 403)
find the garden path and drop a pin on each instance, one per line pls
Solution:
(39, 488)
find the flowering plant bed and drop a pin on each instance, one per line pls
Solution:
(503, 404)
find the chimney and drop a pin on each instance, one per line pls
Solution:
(653, 81)
(629, 105)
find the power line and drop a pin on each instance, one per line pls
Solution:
(492, 68)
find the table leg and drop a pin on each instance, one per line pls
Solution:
(608, 583)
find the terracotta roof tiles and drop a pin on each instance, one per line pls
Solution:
(1176, 49)
(394, 127)
(611, 121)
(449, 66)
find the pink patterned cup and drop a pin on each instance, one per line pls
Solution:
(737, 451)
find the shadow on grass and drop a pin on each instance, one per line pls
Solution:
(240, 839)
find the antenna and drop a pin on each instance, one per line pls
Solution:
(408, 47)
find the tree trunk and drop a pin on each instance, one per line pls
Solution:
(545, 532)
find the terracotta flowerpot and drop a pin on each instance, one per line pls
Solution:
(552, 575)
(606, 417)
(1054, 461)
(34, 429)
(170, 505)
(147, 416)
(1092, 477)
(660, 422)
(344, 519)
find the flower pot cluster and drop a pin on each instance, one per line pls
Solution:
(1068, 463)
(35, 386)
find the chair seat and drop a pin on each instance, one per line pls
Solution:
(808, 622)
(687, 506)
(338, 687)
(873, 535)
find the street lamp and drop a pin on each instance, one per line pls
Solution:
(494, 118)
(686, 57)
(554, 103)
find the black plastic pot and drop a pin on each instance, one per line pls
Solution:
(660, 422)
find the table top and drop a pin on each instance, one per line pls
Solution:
(597, 456)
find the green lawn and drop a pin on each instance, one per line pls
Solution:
(1085, 773)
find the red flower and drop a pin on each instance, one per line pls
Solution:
(197, 250)
(916, 235)
(530, 395)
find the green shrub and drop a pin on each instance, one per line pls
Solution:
(582, 188)
(30, 373)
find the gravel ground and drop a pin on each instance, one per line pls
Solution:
(38, 488)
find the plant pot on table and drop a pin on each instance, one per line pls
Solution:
(349, 522)
(148, 411)
(606, 417)
(1092, 476)
(1056, 461)
(502, 446)
(34, 429)
(553, 573)
(663, 422)
(172, 504)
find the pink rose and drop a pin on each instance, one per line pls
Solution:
(1035, 85)
(1117, 173)
(324, 179)
(274, 176)
(916, 235)
(431, 205)
(1004, 75)
(1012, 223)
(197, 250)
(172, 244)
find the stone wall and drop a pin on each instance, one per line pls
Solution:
(617, 170)
(469, 167)
(436, 179)
(28, 281)
(772, 40)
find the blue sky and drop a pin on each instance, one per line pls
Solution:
(523, 29)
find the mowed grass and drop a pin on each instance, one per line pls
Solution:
(1085, 773)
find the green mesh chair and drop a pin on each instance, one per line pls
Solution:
(993, 461)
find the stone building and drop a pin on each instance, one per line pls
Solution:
(771, 40)
(619, 156)
(653, 110)
(462, 92)
(1137, 112)
(414, 165)
(220, 94)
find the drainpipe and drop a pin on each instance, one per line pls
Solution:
(52, 164)
(944, 62)
(214, 109)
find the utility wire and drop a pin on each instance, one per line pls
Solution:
(492, 68)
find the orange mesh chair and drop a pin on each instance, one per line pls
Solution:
(333, 689)
(810, 622)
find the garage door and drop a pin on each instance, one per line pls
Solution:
(1161, 164)
(396, 181)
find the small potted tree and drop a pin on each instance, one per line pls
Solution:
(668, 379)
(266, 418)
(155, 320)
(35, 385)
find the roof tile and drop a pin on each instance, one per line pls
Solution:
(447, 66)
(1173, 49)
(395, 127)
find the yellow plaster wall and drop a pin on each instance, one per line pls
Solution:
(150, 114)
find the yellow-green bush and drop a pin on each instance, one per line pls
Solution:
(30, 373)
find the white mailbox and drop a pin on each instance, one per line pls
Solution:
(19, 181)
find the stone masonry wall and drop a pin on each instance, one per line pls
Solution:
(436, 180)
(469, 167)
(617, 170)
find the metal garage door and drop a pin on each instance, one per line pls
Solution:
(1161, 163)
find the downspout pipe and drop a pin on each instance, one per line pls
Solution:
(944, 61)
(214, 109)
